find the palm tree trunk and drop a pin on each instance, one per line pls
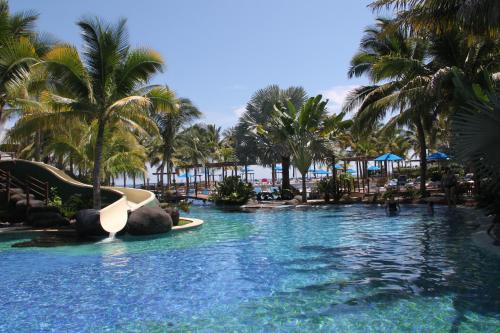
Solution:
(187, 183)
(195, 181)
(38, 146)
(246, 173)
(285, 172)
(334, 175)
(162, 171)
(2, 106)
(96, 174)
(423, 156)
(273, 174)
(304, 189)
(71, 170)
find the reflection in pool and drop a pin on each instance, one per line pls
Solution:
(325, 269)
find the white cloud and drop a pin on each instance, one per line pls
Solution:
(336, 96)
(239, 111)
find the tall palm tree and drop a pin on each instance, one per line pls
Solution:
(302, 129)
(337, 131)
(396, 64)
(107, 84)
(476, 132)
(171, 120)
(192, 150)
(20, 47)
(480, 17)
(259, 110)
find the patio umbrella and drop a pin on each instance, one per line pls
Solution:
(338, 167)
(389, 157)
(350, 171)
(184, 175)
(278, 168)
(437, 156)
(321, 172)
(373, 168)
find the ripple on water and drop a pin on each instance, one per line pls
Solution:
(321, 269)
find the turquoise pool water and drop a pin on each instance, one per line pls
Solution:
(344, 269)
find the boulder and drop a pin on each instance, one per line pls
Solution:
(294, 202)
(174, 214)
(16, 190)
(149, 221)
(45, 209)
(20, 196)
(88, 223)
(33, 203)
(47, 219)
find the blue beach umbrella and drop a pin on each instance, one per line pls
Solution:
(373, 168)
(248, 170)
(438, 156)
(389, 157)
(350, 171)
(278, 168)
(184, 175)
(338, 167)
(321, 172)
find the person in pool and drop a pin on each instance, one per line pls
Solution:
(449, 183)
(430, 207)
(392, 206)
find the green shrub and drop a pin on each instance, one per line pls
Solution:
(389, 194)
(183, 205)
(75, 203)
(232, 191)
(54, 198)
(326, 188)
(335, 188)
(410, 193)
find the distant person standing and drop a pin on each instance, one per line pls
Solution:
(392, 206)
(449, 183)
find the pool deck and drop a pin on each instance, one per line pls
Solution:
(483, 240)
(195, 223)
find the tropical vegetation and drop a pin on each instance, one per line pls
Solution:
(232, 191)
(433, 69)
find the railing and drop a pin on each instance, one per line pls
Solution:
(31, 186)
(39, 188)
(8, 155)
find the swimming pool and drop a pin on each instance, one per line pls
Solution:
(345, 269)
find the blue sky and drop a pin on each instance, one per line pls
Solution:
(219, 52)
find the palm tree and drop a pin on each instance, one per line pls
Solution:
(258, 111)
(192, 150)
(396, 64)
(171, 120)
(337, 131)
(476, 132)
(479, 17)
(108, 84)
(20, 47)
(302, 129)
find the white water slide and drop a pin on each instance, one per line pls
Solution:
(113, 217)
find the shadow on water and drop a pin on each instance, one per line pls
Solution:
(435, 259)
